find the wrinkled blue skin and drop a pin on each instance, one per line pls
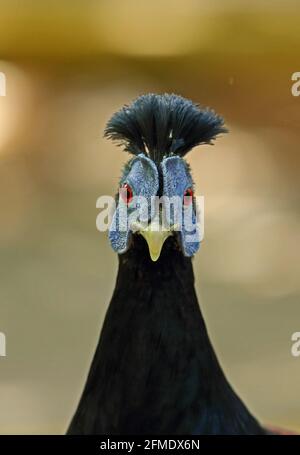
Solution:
(142, 174)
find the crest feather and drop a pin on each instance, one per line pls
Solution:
(163, 125)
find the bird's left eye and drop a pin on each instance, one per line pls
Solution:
(188, 197)
(126, 193)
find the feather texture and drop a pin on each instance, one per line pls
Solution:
(163, 125)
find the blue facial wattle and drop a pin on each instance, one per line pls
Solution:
(176, 180)
(142, 175)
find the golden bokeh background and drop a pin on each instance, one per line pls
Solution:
(68, 67)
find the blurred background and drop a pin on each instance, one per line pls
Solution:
(68, 67)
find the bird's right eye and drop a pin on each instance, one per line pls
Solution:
(126, 193)
(188, 197)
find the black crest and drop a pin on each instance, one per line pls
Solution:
(163, 125)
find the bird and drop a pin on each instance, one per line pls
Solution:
(155, 370)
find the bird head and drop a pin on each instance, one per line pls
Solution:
(156, 191)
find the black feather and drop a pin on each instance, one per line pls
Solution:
(155, 370)
(163, 125)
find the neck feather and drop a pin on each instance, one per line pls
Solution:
(154, 370)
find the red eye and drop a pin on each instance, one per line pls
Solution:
(126, 193)
(188, 197)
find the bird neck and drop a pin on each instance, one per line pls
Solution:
(158, 301)
(154, 370)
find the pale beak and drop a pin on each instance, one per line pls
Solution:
(155, 235)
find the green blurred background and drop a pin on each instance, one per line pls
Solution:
(69, 65)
